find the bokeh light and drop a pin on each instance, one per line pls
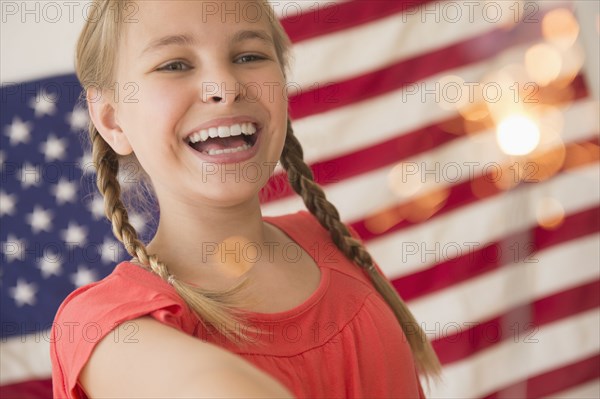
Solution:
(383, 220)
(572, 62)
(560, 28)
(405, 179)
(517, 135)
(427, 205)
(581, 154)
(452, 92)
(549, 213)
(543, 63)
(234, 256)
(501, 91)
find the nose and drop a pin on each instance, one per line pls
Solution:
(221, 86)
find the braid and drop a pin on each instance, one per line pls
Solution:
(301, 179)
(214, 308)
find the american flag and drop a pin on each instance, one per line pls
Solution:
(459, 139)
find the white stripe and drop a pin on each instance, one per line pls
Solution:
(495, 292)
(358, 197)
(589, 390)
(25, 358)
(587, 13)
(470, 153)
(482, 222)
(416, 248)
(292, 8)
(560, 343)
(399, 37)
(397, 112)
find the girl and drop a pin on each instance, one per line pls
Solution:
(222, 302)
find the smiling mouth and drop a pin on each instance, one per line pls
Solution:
(224, 139)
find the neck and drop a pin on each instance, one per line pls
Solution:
(202, 242)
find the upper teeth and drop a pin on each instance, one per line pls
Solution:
(223, 131)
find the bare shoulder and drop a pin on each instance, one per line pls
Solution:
(161, 361)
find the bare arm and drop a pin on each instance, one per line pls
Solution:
(166, 363)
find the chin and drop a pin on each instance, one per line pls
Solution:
(230, 193)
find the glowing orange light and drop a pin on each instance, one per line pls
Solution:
(483, 187)
(405, 180)
(427, 205)
(572, 62)
(549, 213)
(581, 154)
(517, 135)
(506, 176)
(543, 166)
(543, 63)
(474, 112)
(560, 28)
(383, 220)
(500, 94)
(235, 256)
(452, 93)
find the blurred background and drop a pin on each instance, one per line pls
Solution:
(459, 138)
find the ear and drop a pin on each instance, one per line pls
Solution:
(103, 115)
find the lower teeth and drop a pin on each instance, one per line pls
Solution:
(228, 150)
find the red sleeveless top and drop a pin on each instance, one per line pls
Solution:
(342, 342)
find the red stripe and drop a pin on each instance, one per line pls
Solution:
(32, 389)
(338, 94)
(553, 381)
(521, 246)
(519, 324)
(333, 17)
(451, 198)
(393, 150)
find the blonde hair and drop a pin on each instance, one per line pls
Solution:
(96, 49)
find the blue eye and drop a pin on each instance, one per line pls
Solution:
(174, 67)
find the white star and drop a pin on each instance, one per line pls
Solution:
(74, 234)
(86, 163)
(96, 207)
(138, 222)
(23, 293)
(40, 220)
(83, 276)
(53, 148)
(78, 119)
(50, 264)
(128, 176)
(13, 248)
(64, 191)
(43, 104)
(7, 203)
(110, 251)
(18, 131)
(30, 175)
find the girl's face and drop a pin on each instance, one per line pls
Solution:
(187, 70)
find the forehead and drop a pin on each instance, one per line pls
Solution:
(208, 20)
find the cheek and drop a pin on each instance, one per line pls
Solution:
(153, 115)
(160, 100)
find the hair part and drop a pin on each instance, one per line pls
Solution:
(96, 51)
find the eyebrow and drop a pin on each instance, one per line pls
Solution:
(171, 40)
(252, 34)
(186, 40)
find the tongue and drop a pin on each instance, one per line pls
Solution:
(219, 143)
